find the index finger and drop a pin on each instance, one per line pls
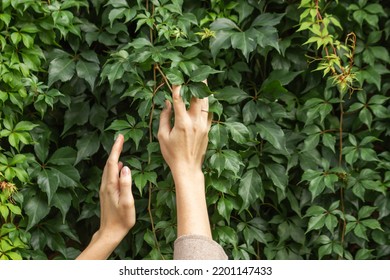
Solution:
(116, 150)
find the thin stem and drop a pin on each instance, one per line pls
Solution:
(342, 205)
(150, 141)
(157, 67)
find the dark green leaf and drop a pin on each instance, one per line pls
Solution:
(36, 209)
(238, 131)
(88, 71)
(272, 133)
(201, 73)
(87, 146)
(61, 69)
(251, 188)
(62, 201)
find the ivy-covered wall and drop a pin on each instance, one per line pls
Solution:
(298, 162)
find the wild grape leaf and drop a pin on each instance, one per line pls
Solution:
(251, 188)
(36, 209)
(61, 68)
(273, 134)
(87, 146)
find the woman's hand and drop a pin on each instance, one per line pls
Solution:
(116, 206)
(184, 145)
(183, 148)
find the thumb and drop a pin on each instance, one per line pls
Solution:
(125, 181)
(165, 120)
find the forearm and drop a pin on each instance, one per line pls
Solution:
(100, 247)
(192, 215)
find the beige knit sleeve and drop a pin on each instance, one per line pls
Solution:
(197, 247)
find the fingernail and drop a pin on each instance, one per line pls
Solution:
(125, 171)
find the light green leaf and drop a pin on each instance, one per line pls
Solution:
(316, 222)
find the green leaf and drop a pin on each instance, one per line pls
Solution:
(63, 156)
(244, 10)
(277, 173)
(244, 41)
(24, 126)
(360, 231)
(202, 73)
(316, 222)
(62, 201)
(329, 141)
(372, 224)
(88, 71)
(223, 24)
(68, 175)
(199, 90)
(220, 41)
(315, 210)
(284, 76)
(366, 211)
(272, 133)
(61, 68)
(225, 207)
(142, 178)
(98, 116)
(251, 188)
(238, 131)
(218, 161)
(366, 117)
(316, 186)
(78, 113)
(48, 182)
(232, 95)
(87, 146)
(218, 135)
(268, 19)
(174, 76)
(311, 142)
(36, 209)
(232, 161)
(227, 235)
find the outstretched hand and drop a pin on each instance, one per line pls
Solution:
(116, 206)
(116, 199)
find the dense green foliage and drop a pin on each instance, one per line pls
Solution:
(298, 163)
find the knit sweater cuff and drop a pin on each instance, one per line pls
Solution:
(197, 247)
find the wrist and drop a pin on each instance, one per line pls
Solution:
(107, 238)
